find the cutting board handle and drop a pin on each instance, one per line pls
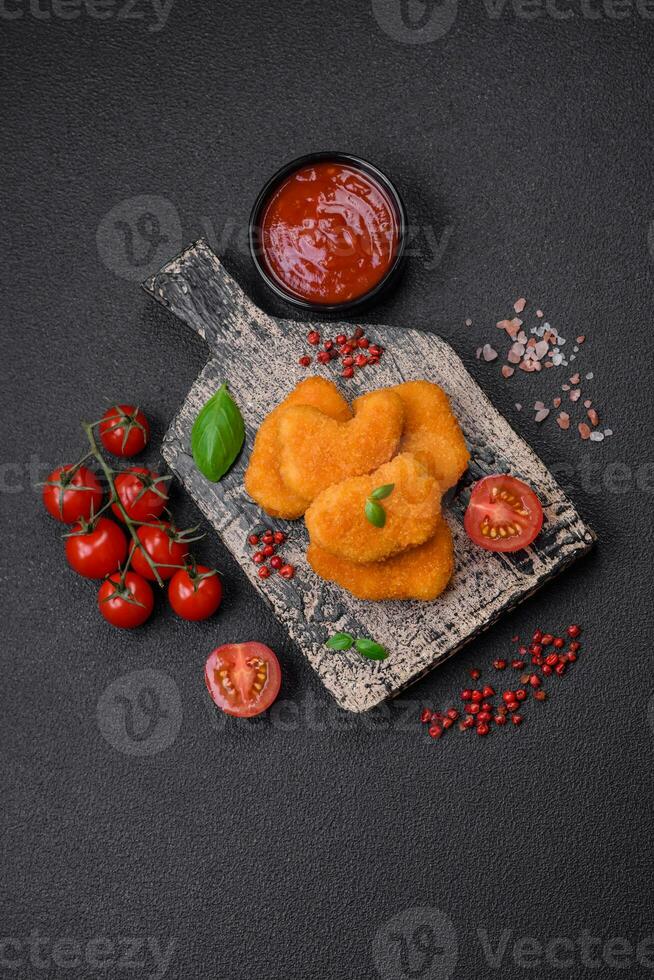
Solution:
(197, 287)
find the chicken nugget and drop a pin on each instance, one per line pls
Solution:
(432, 432)
(317, 451)
(419, 573)
(263, 481)
(337, 519)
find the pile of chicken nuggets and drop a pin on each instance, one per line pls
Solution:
(318, 457)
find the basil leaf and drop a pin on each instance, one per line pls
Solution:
(218, 435)
(385, 491)
(371, 650)
(340, 641)
(375, 513)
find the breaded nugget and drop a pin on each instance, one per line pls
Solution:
(262, 478)
(337, 522)
(431, 431)
(420, 573)
(317, 451)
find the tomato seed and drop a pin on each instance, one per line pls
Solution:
(536, 649)
(540, 695)
(472, 709)
(279, 537)
(477, 696)
(466, 695)
(547, 670)
(328, 345)
(534, 680)
(538, 636)
(435, 731)
(517, 719)
(361, 360)
(500, 719)
(547, 640)
(287, 571)
(268, 550)
(488, 691)
(452, 713)
(347, 372)
(313, 337)
(574, 631)
(264, 571)
(475, 673)
(520, 694)
(574, 647)
(484, 717)
(258, 557)
(324, 357)
(276, 562)
(254, 539)
(482, 729)
(348, 361)
(305, 360)
(560, 669)
(358, 332)
(341, 338)
(572, 657)
(468, 723)
(425, 716)
(499, 664)
(447, 722)
(508, 696)
(559, 642)
(518, 664)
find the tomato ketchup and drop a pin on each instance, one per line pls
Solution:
(329, 232)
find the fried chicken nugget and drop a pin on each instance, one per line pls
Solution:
(337, 522)
(419, 573)
(431, 431)
(263, 481)
(317, 451)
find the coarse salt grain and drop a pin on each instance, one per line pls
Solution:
(541, 415)
(489, 353)
(596, 436)
(584, 430)
(468, 322)
(520, 304)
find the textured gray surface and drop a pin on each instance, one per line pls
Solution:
(257, 355)
(277, 851)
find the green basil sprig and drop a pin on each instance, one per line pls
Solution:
(218, 435)
(367, 648)
(373, 510)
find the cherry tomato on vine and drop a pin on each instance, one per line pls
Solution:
(243, 678)
(504, 514)
(126, 604)
(142, 493)
(72, 495)
(195, 592)
(165, 545)
(124, 430)
(96, 549)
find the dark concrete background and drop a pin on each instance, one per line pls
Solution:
(280, 849)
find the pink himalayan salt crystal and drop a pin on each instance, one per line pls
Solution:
(575, 379)
(575, 394)
(587, 403)
(541, 414)
(581, 339)
(507, 371)
(556, 402)
(468, 322)
(488, 353)
(563, 420)
(539, 314)
(520, 304)
(541, 349)
(584, 430)
(593, 416)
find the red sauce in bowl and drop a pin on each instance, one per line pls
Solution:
(329, 233)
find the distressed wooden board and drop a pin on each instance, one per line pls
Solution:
(257, 354)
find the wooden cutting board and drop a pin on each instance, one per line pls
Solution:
(257, 355)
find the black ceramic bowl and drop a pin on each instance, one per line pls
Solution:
(255, 237)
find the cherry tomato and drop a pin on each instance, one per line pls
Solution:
(142, 493)
(243, 678)
(164, 546)
(72, 496)
(124, 430)
(504, 514)
(127, 605)
(97, 549)
(195, 592)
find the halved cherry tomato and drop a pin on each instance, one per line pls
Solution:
(72, 496)
(165, 545)
(127, 605)
(94, 550)
(243, 678)
(124, 430)
(142, 493)
(195, 592)
(504, 514)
